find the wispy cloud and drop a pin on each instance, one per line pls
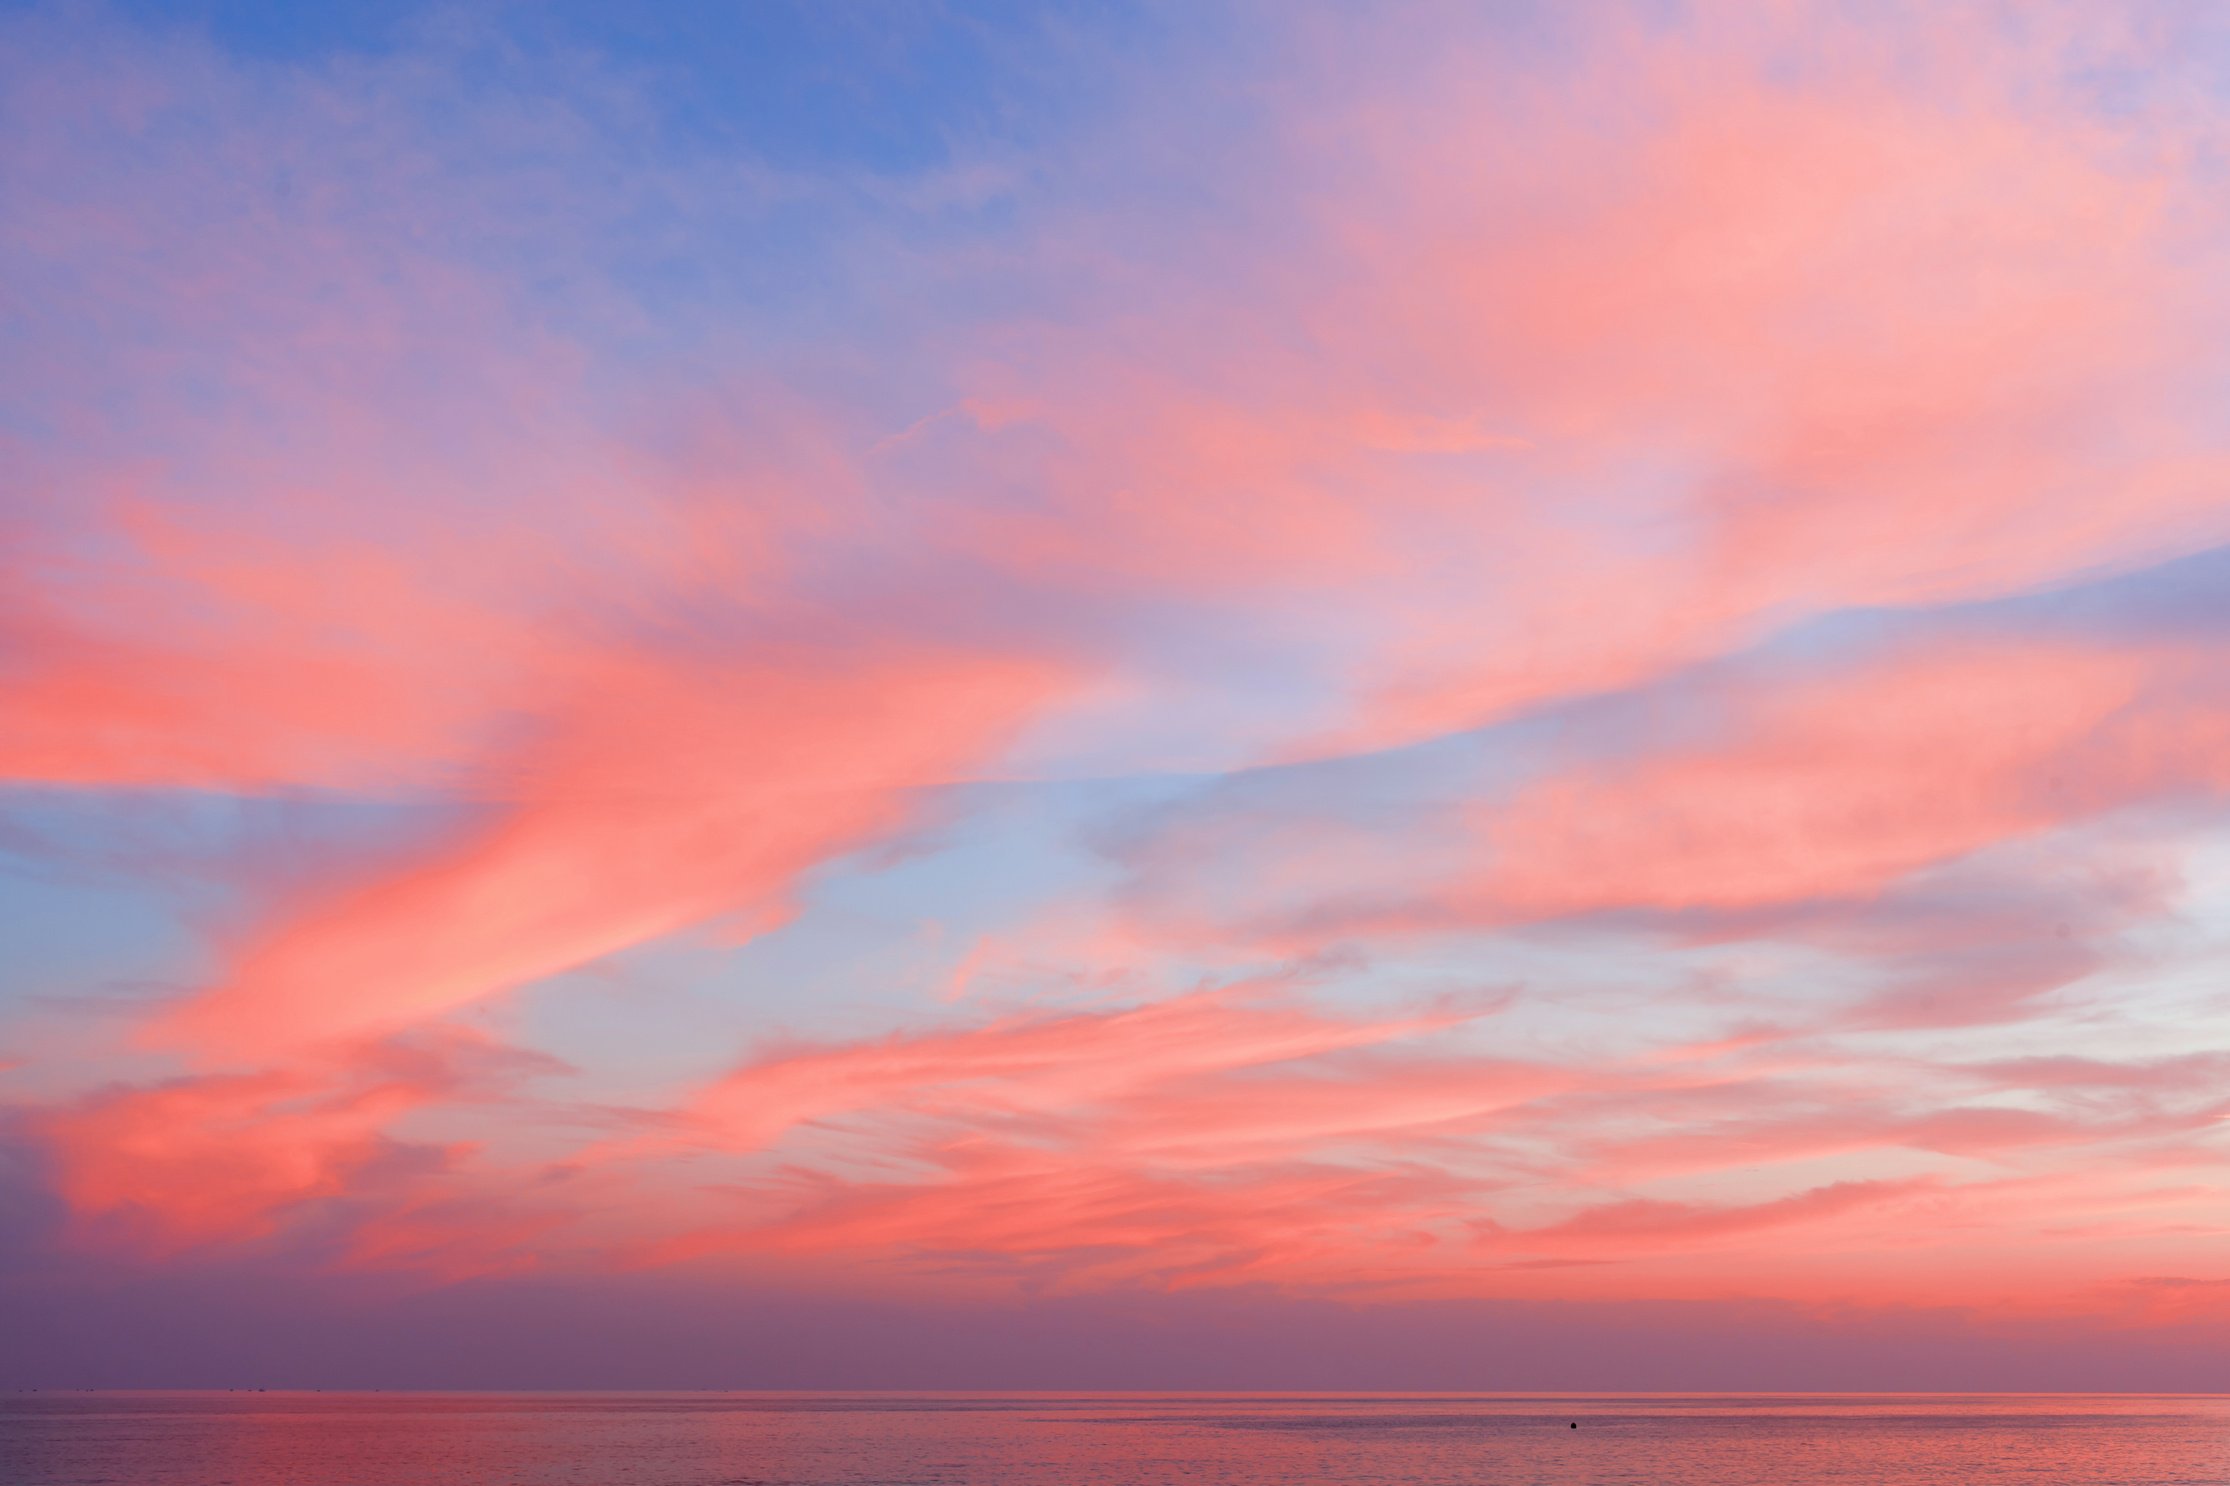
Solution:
(1502, 656)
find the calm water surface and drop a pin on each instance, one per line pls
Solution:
(712, 1439)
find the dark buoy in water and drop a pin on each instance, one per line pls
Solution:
(1575, 1423)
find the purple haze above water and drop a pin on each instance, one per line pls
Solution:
(710, 1439)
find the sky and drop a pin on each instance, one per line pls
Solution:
(1148, 695)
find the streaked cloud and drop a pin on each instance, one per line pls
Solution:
(1554, 655)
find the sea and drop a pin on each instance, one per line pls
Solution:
(974, 1439)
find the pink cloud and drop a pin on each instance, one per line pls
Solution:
(659, 796)
(1832, 786)
(221, 1157)
(1032, 1067)
(1555, 379)
(1566, 381)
